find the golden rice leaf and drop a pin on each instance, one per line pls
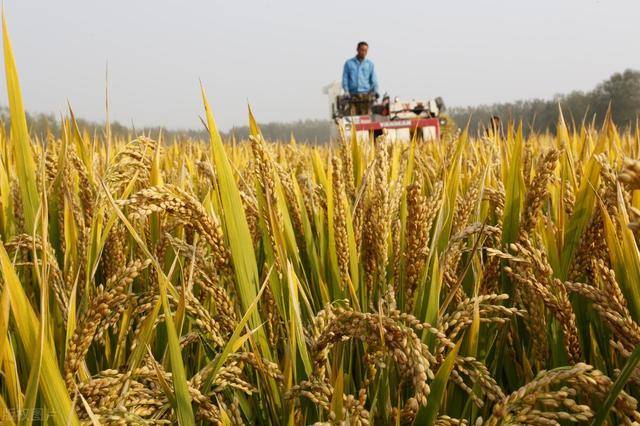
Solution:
(236, 340)
(514, 188)
(85, 152)
(450, 191)
(237, 229)
(336, 398)
(253, 124)
(432, 293)
(22, 150)
(624, 256)
(582, 211)
(6, 203)
(43, 330)
(296, 316)
(52, 385)
(5, 413)
(7, 355)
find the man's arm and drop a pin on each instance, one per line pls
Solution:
(374, 79)
(345, 77)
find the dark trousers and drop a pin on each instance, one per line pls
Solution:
(361, 103)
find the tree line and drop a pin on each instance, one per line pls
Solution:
(620, 94)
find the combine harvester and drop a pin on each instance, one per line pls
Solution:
(399, 120)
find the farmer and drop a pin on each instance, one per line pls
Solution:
(359, 80)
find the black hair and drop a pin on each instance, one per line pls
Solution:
(362, 43)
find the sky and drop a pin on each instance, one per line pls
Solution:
(277, 55)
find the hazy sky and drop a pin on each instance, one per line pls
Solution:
(279, 54)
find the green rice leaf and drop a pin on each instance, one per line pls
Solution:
(427, 414)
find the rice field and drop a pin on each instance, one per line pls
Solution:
(478, 280)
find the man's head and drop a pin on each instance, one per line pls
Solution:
(363, 48)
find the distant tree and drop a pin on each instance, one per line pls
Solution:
(621, 91)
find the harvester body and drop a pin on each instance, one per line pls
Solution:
(399, 120)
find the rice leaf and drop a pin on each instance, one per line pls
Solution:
(427, 414)
(237, 229)
(52, 385)
(21, 142)
(618, 385)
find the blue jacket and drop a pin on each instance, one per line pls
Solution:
(359, 77)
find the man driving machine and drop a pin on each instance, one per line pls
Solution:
(359, 80)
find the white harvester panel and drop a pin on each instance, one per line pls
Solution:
(429, 133)
(399, 135)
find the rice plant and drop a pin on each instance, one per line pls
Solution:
(476, 280)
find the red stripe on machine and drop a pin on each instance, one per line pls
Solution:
(399, 124)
